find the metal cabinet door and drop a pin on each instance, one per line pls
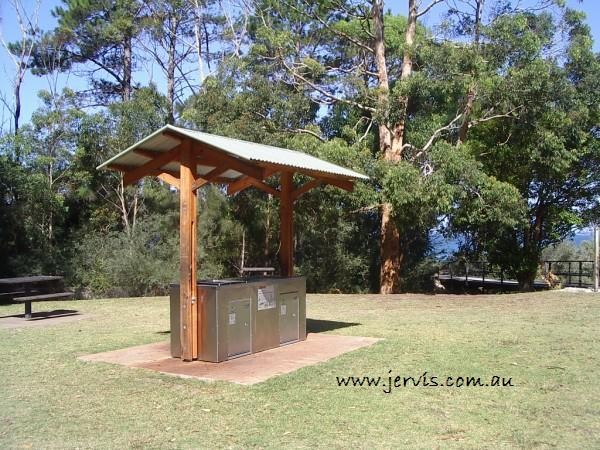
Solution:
(289, 325)
(239, 339)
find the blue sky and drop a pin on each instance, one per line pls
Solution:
(32, 85)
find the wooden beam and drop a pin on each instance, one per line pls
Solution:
(187, 255)
(208, 177)
(120, 167)
(239, 185)
(169, 179)
(286, 230)
(264, 187)
(245, 182)
(305, 188)
(198, 183)
(154, 164)
(208, 156)
(173, 173)
(342, 184)
(223, 180)
(146, 153)
(215, 172)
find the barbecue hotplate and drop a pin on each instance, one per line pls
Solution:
(223, 282)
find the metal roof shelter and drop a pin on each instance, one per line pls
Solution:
(187, 160)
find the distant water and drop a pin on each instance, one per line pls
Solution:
(582, 236)
(444, 247)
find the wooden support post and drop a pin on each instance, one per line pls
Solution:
(197, 317)
(187, 254)
(597, 258)
(286, 232)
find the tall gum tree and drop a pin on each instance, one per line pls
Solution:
(550, 152)
(295, 32)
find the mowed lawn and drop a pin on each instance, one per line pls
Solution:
(547, 343)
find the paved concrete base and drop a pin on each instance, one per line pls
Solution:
(41, 319)
(248, 369)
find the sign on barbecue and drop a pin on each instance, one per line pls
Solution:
(266, 297)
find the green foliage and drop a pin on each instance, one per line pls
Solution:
(568, 251)
(219, 236)
(549, 153)
(98, 33)
(511, 176)
(117, 264)
(453, 186)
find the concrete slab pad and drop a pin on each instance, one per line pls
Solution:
(41, 319)
(247, 370)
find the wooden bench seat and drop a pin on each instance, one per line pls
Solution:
(27, 300)
(8, 296)
(43, 297)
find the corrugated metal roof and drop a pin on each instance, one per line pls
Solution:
(245, 150)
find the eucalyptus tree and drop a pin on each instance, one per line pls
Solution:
(403, 88)
(550, 153)
(184, 38)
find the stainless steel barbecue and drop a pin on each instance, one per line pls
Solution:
(244, 315)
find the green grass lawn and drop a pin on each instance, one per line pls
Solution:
(547, 342)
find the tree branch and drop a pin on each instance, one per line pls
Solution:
(323, 91)
(304, 130)
(434, 137)
(510, 114)
(426, 10)
(329, 27)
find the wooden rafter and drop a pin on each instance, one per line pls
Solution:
(212, 157)
(238, 185)
(342, 184)
(219, 170)
(154, 164)
(198, 183)
(209, 157)
(156, 173)
(120, 167)
(208, 177)
(146, 153)
(264, 187)
(245, 182)
(306, 187)
(169, 179)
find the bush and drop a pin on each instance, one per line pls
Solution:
(116, 264)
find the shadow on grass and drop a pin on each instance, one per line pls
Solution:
(320, 326)
(43, 315)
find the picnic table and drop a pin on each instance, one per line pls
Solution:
(41, 288)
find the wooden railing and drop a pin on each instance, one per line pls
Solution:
(480, 272)
(574, 273)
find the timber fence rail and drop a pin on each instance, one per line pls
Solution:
(572, 273)
(474, 272)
